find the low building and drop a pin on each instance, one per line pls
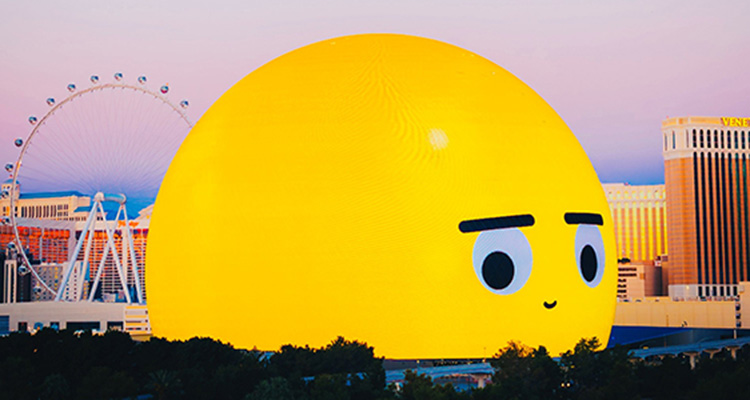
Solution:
(638, 280)
(94, 316)
(666, 312)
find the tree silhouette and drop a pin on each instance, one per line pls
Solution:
(67, 365)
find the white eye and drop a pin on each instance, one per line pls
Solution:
(502, 260)
(590, 254)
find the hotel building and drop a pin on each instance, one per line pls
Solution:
(639, 215)
(47, 244)
(706, 167)
(68, 206)
(24, 306)
(49, 226)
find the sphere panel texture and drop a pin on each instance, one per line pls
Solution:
(322, 196)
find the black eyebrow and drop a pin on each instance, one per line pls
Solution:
(485, 224)
(583, 218)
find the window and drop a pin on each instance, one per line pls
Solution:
(23, 326)
(701, 137)
(716, 139)
(694, 141)
(84, 326)
(114, 325)
(673, 141)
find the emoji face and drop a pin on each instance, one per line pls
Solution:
(503, 258)
(390, 189)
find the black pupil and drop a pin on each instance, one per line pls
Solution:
(588, 263)
(498, 270)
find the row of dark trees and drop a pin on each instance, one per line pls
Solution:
(66, 365)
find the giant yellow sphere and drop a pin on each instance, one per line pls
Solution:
(386, 188)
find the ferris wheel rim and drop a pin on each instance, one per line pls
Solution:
(38, 124)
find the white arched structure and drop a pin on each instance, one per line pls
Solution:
(108, 138)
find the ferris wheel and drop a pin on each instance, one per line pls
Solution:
(113, 142)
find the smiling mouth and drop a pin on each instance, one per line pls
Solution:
(550, 306)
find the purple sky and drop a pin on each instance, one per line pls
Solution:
(612, 70)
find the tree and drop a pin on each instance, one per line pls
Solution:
(55, 387)
(350, 364)
(276, 388)
(593, 374)
(524, 372)
(665, 378)
(164, 384)
(417, 387)
(103, 383)
(17, 378)
(329, 387)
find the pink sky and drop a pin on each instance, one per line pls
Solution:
(612, 70)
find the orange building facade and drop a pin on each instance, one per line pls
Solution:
(110, 288)
(49, 245)
(706, 167)
(639, 215)
(43, 244)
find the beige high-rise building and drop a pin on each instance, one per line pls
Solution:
(706, 166)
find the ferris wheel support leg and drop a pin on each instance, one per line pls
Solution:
(103, 259)
(136, 269)
(86, 261)
(64, 283)
(99, 272)
(123, 240)
(133, 259)
(113, 249)
(41, 244)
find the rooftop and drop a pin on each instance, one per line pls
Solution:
(48, 195)
(736, 122)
